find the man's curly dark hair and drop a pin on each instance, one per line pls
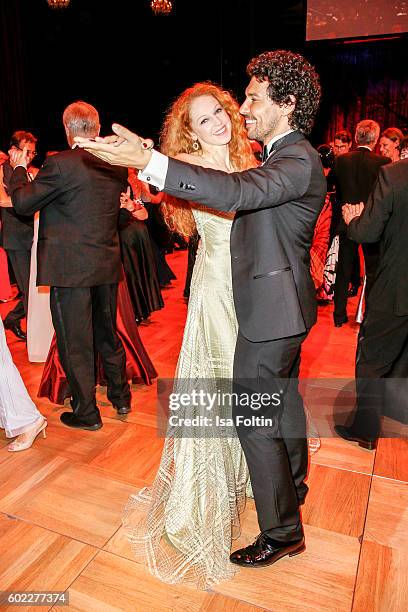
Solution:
(289, 74)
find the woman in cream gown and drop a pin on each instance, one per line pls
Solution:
(183, 525)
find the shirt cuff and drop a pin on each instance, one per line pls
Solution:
(156, 170)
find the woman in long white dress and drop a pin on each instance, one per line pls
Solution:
(183, 526)
(19, 416)
(40, 329)
(39, 323)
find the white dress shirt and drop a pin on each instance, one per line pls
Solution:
(156, 170)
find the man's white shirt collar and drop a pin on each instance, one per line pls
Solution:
(275, 139)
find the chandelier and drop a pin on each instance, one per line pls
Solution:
(58, 4)
(161, 7)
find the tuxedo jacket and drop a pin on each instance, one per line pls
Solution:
(79, 198)
(355, 175)
(385, 218)
(276, 205)
(17, 230)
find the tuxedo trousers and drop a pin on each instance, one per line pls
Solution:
(381, 372)
(84, 320)
(276, 447)
(20, 261)
(348, 251)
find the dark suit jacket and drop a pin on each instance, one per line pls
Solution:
(385, 218)
(355, 175)
(277, 206)
(78, 195)
(17, 230)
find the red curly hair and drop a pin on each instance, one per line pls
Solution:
(176, 139)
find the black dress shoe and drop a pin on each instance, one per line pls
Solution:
(346, 433)
(16, 329)
(265, 551)
(69, 419)
(123, 410)
(340, 322)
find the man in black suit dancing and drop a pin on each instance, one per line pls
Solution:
(277, 205)
(382, 348)
(18, 234)
(79, 257)
(355, 174)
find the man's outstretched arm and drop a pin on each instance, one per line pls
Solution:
(284, 181)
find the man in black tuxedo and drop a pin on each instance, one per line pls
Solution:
(277, 205)
(342, 143)
(18, 234)
(79, 257)
(355, 173)
(382, 348)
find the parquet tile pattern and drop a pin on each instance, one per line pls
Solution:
(61, 502)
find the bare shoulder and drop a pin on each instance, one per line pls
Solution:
(199, 160)
(190, 158)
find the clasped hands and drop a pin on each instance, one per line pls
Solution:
(351, 211)
(123, 148)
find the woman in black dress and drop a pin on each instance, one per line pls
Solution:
(137, 252)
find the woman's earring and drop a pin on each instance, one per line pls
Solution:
(195, 145)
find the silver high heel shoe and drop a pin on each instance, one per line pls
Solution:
(16, 445)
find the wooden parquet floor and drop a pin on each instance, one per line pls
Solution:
(61, 502)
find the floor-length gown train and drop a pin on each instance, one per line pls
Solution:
(183, 525)
(18, 413)
(139, 368)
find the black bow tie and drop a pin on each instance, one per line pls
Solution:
(264, 153)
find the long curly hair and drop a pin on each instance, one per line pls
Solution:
(176, 138)
(289, 74)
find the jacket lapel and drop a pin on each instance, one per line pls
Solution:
(286, 140)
